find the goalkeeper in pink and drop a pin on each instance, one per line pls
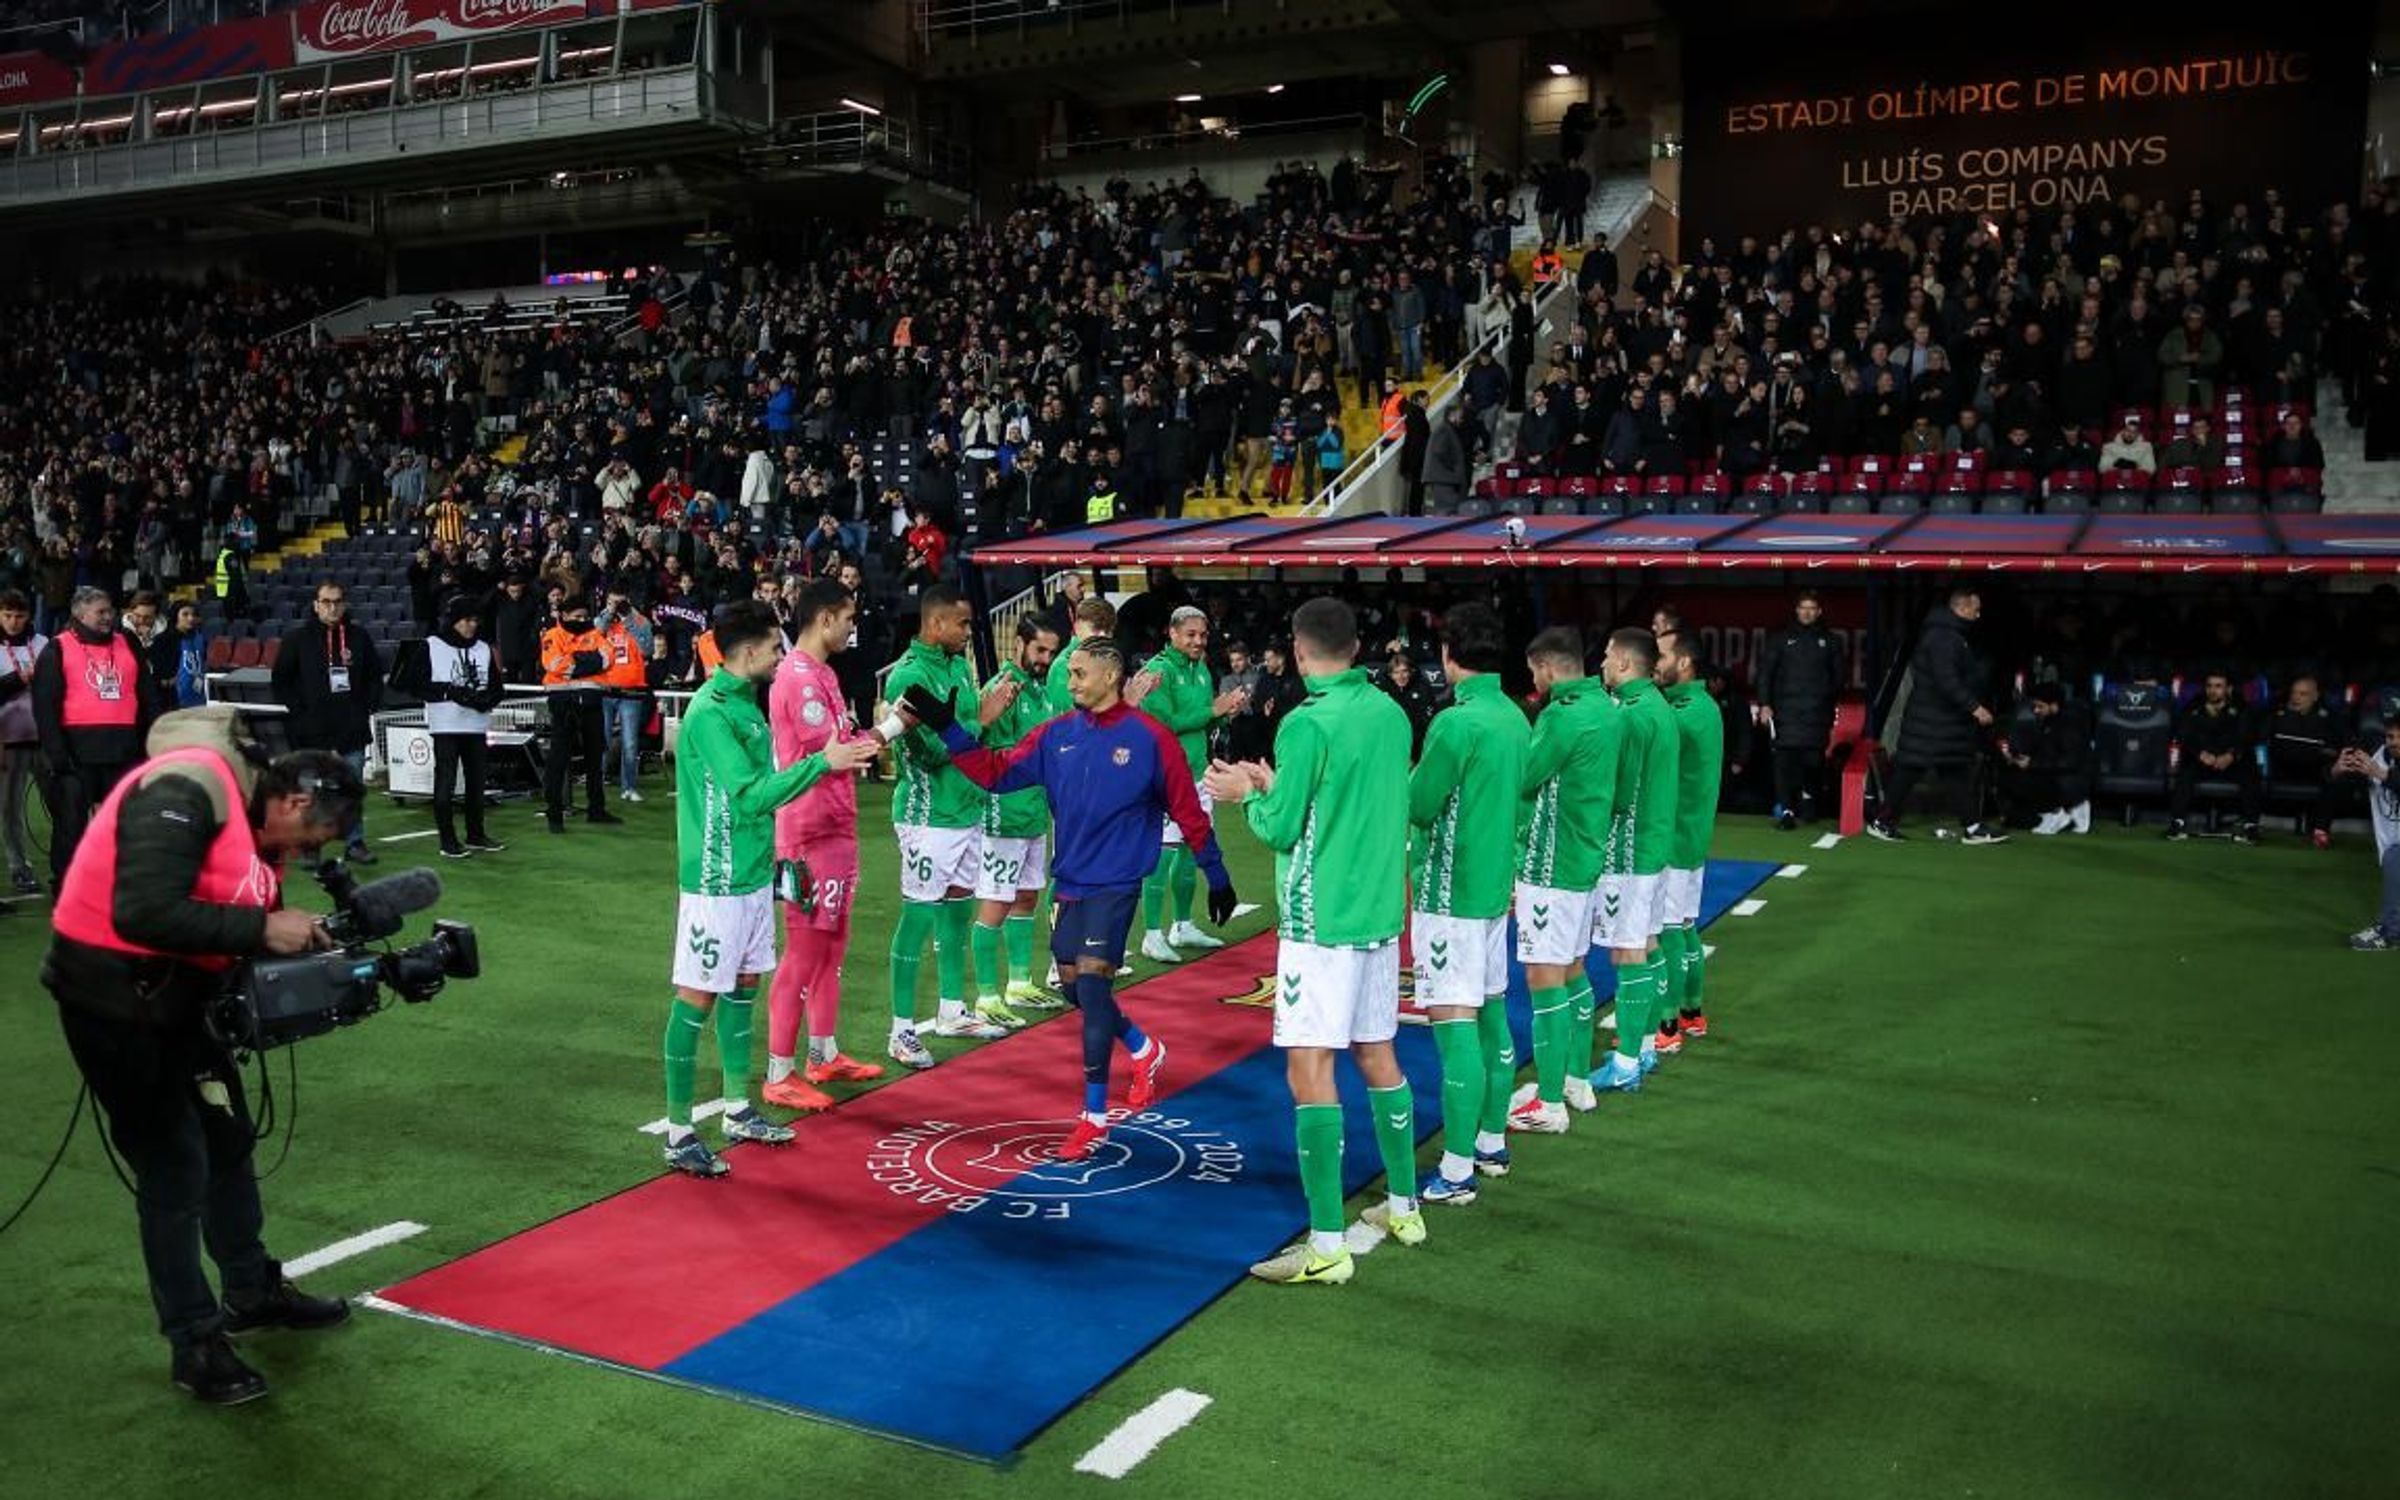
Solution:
(816, 859)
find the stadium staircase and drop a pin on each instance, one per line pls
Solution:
(2353, 484)
(308, 544)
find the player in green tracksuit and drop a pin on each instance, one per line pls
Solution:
(1016, 840)
(1334, 808)
(1176, 690)
(1632, 894)
(726, 793)
(1462, 799)
(937, 815)
(1699, 770)
(1562, 830)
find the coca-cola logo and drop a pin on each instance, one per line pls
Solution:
(364, 24)
(488, 13)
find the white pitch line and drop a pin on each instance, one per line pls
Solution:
(402, 838)
(1138, 1436)
(1244, 908)
(708, 1111)
(1792, 872)
(1750, 908)
(1708, 950)
(357, 1244)
(1828, 840)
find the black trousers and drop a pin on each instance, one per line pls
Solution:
(450, 752)
(1904, 779)
(173, 1105)
(1799, 776)
(574, 736)
(2189, 773)
(74, 796)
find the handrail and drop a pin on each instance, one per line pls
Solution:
(1168, 140)
(1368, 466)
(309, 323)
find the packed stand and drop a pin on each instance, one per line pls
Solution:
(2166, 359)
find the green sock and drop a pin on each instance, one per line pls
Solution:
(950, 947)
(1670, 955)
(1582, 1013)
(1695, 970)
(1017, 937)
(1396, 1137)
(733, 1042)
(1154, 892)
(1461, 1050)
(1499, 1051)
(684, 1022)
(1183, 878)
(989, 971)
(1550, 1022)
(1634, 1007)
(917, 921)
(1319, 1128)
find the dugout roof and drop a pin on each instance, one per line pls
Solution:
(2267, 545)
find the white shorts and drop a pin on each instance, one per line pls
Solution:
(936, 861)
(1461, 961)
(719, 938)
(1335, 997)
(1012, 867)
(1683, 898)
(1208, 809)
(1553, 926)
(1628, 910)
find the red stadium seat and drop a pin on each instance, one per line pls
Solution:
(1815, 485)
(245, 655)
(1539, 487)
(1873, 463)
(269, 649)
(1962, 482)
(1485, 489)
(1578, 487)
(1920, 463)
(1770, 484)
(2295, 482)
(1860, 484)
(220, 654)
(1968, 461)
(2180, 480)
(1714, 487)
(1666, 486)
(2073, 482)
(2008, 482)
(1919, 485)
(1510, 472)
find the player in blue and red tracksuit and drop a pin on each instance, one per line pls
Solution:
(1113, 776)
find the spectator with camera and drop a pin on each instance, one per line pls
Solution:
(174, 885)
(2383, 805)
(2219, 743)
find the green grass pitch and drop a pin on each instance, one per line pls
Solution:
(2066, 1168)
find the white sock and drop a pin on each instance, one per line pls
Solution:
(678, 1134)
(902, 1027)
(822, 1050)
(1490, 1140)
(1327, 1242)
(778, 1068)
(1457, 1168)
(734, 1106)
(1400, 1204)
(951, 1010)
(1649, 1044)
(1095, 1119)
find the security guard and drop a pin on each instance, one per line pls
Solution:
(1101, 508)
(92, 703)
(575, 660)
(176, 882)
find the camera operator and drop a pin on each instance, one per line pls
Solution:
(173, 885)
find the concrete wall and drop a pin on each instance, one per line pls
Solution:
(1233, 169)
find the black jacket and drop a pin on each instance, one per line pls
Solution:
(1938, 700)
(2301, 746)
(1800, 679)
(164, 829)
(2058, 744)
(321, 718)
(516, 633)
(2225, 731)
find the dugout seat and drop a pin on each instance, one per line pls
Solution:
(2133, 735)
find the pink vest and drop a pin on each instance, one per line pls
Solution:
(103, 683)
(233, 874)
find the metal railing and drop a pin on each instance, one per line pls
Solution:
(660, 96)
(855, 138)
(1200, 140)
(969, 18)
(1371, 481)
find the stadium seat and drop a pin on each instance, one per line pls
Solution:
(220, 655)
(1561, 505)
(1946, 503)
(2296, 504)
(269, 649)
(1807, 492)
(1474, 507)
(2131, 742)
(2232, 491)
(244, 656)
(1770, 484)
(1618, 492)
(2177, 502)
(2070, 503)
(1749, 503)
(1850, 503)
(2009, 504)
(1713, 487)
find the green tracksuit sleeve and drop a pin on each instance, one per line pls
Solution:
(756, 790)
(1439, 767)
(1279, 816)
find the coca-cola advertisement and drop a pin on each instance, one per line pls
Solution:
(351, 28)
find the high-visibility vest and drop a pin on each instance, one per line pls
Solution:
(1546, 269)
(103, 690)
(231, 875)
(626, 670)
(560, 647)
(1395, 414)
(224, 579)
(1101, 507)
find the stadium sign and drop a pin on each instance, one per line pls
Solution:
(1812, 128)
(336, 29)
